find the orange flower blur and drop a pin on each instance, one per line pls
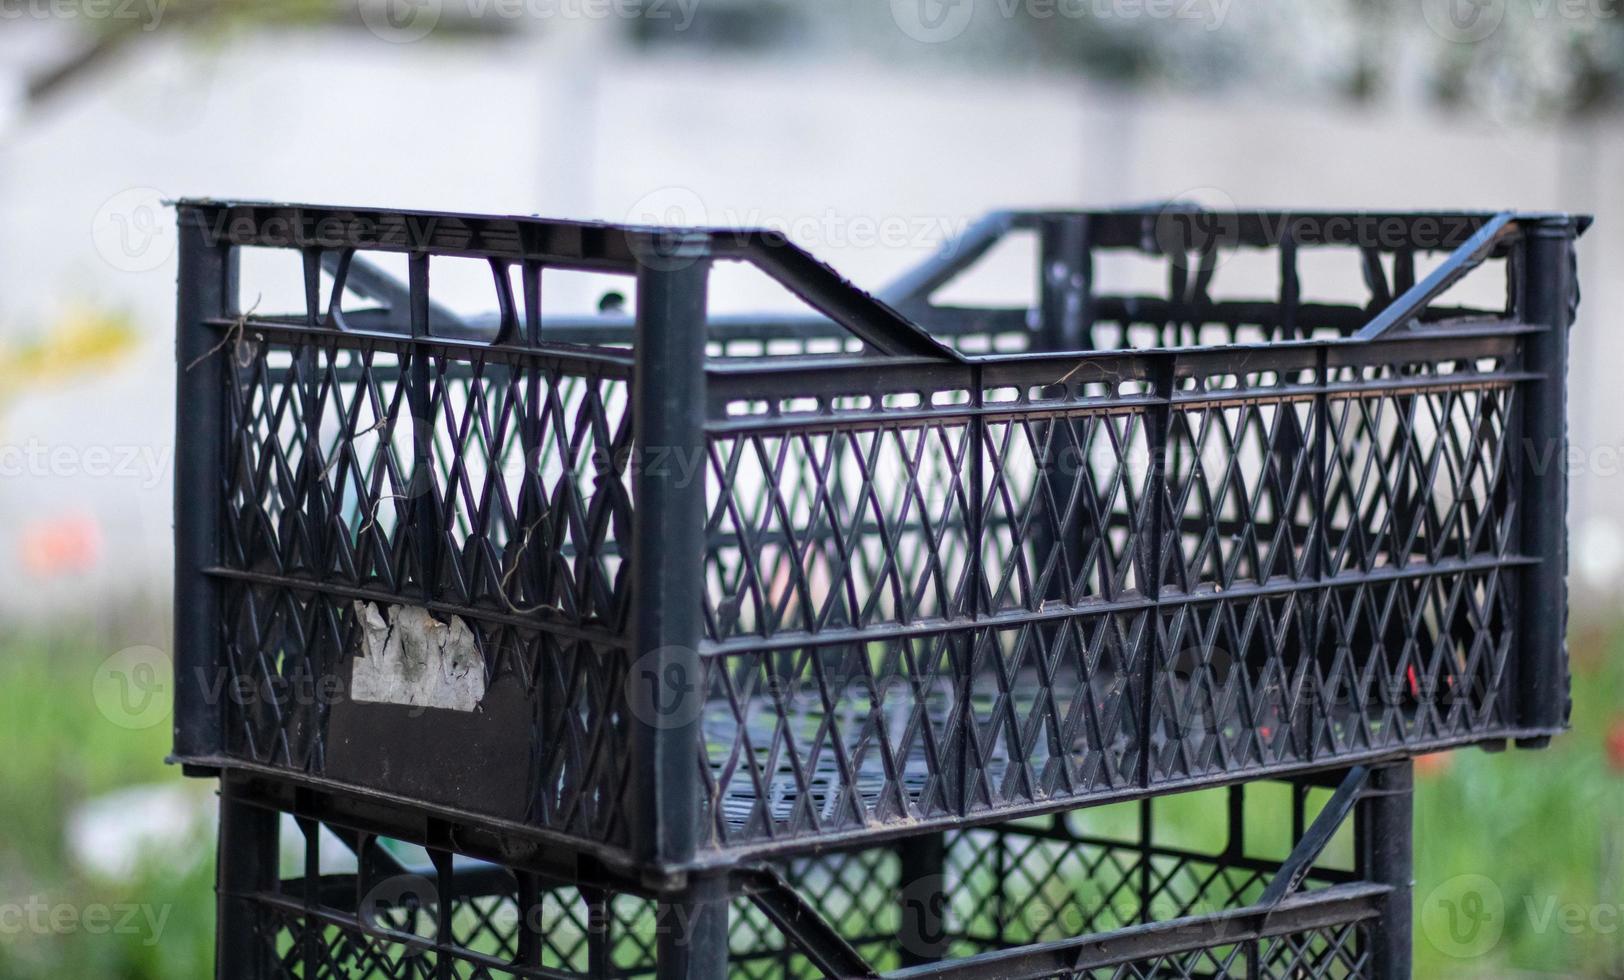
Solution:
(1615, 746)
(1435, 764)
(61, 545)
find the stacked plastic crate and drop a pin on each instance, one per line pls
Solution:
(1087, 636)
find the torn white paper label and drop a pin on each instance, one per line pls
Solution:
(411, 658)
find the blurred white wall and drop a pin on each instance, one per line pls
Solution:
(869, 165)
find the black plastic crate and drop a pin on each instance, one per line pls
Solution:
(1148, 889)
(697, 589)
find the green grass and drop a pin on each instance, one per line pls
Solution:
(58, 751)
(1544, 829)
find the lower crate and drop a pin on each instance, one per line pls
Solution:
(1288, 880)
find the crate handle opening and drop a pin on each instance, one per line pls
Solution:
(1462, 260)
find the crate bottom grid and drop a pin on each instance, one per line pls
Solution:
(1179, 886)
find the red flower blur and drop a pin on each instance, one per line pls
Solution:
(62, 545)
(1615, 746)
(1436, 764)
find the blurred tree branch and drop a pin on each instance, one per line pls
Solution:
(106, 36)
(109, 35)
(1547, 58)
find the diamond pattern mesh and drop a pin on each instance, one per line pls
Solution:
(494, 490)
(836, 530)
(999, 888)
(1336, 953)
(463, 478)
(1321, 565)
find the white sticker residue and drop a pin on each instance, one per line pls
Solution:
(411, 658)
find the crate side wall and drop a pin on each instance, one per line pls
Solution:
(390, 502)
(1068, 578)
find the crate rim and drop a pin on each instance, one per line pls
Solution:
(1581, 221)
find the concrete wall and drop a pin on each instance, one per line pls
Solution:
(869, 165)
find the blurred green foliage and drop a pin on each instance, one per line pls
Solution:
(58, 752)
(1546, 828)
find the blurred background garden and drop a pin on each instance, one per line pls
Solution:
(869, 131)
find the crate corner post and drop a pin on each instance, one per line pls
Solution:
(668, 544)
